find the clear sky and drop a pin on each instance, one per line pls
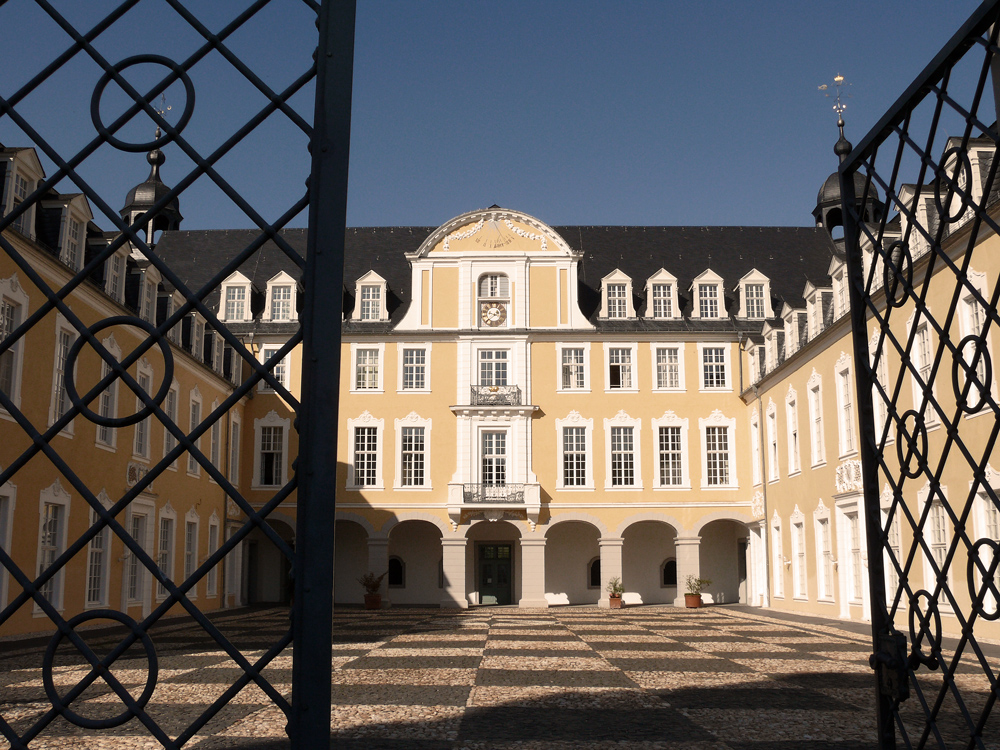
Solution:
(582, 112)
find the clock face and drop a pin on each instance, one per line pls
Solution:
(494, 313)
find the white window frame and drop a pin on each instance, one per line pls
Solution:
(239, 281)
(380, 367)
(987, 517)
(654, 349)
(771, 431)
(30, 176)
(777, 556)
(662, 277)
(894, 539)
(846, 413)
(923, 327)
(8, 492)
(190, 562)
(794, 437)
(142, 436)
(826, 562)
(670, 419)
(718, 419)
(968, 327)
(270, 420)
(169, 441)
(755, 447)
(800, 571)
(850, 519)
(703, 387)
(365, 419)
(575, 419)
(880, 409)
(106, 438)
(194, 399)
(401, 349)
(145, 507)
(215, 441)
(817, 436)
(410, 420)
(212, 576)
(233, 471)
(280, 371)
(923, 500)
(14, 294)
(616, 277)
(560, 348)
(149, 283)
(710, 280)
(281, 280)
(622, 419)
(166, 557)
(633, 366)
(114, 274)
(755, 278)
(370, 279)
(59, 374)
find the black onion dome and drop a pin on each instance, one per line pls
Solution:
(144, 195)
(830, 192)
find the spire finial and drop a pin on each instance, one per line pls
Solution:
(161, 110)
(843, 146)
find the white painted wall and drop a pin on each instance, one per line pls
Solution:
(351, 561)
(719, 560)
(647, 545)
(569, 548)
(418, 545)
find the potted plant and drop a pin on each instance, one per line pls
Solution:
(372, 584)
(692, 597)
(615, 590)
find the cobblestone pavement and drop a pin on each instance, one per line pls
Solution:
(492, 679)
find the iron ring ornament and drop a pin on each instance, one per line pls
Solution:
(989, 580)
(908, 439)
(954, 183)
(897, 267)
(927, 617)
(959, 364)
(145, 411)
(128, 713)
(165, 138)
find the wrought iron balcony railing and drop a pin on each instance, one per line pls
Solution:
(496, 395)
(512, 494)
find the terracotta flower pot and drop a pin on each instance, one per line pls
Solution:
(692, 601)
(615, 602)
(373, 601)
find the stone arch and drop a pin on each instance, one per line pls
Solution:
(358, 519)
(571, 545)
(650, 516)
(576, 516)
(722, 515)
(443, 526)
(416, 542)
(723, 557)
(351, 535)
(647, 540)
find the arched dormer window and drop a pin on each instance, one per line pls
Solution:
(493, 291)
(616, 296)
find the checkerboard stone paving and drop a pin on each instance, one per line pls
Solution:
(499, 679)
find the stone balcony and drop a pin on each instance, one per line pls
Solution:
(494, 500)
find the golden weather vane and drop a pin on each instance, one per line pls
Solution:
(838, 93)
(161, 109)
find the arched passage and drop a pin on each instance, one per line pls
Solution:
(723, 560)
(350, 561)
(267, 567)
(493, 563)
(414, 563)
(647, 549)
(570, 549)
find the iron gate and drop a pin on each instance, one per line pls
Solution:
(65, 290)
(925, 282)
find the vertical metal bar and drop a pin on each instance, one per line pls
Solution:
(869, 450)
(323, 281)
(995, 75)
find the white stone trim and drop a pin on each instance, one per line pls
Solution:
(670, 419)
(365, 419)
(284, 279)
(13, 292)
(617, 277)
(374, 280)
(560, 347)
(662, 277)
(707, 278)
(633, 349)
(270, 420)
(793, 434)
(814, 397)
(574, 419)
(380, 380)
(400, 347)
(718, 419)
(727, 387)
(410, 420)
(681, 382)
(754, 277)
(622, 419)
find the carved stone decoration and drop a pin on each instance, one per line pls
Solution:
(462, 235)
(527, 235)
(232, 509)
(492, 515)
(134, 474)
(757, 505)
(849, 476)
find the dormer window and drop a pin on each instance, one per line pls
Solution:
(281, 302)
(370, 294)
(23, 171)
(195, 336)
(114, 276)
(71, 248)
(661, 296)
(616, 296)
(236, 298)
(148, 283)
(21, 186)
(755, 296)
(707, 290)
(494, 297)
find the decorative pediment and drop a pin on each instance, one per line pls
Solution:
(814, 379)
(574, 417)
(797, 515)
(715, 418)
(57, 491)
(411, 418)
(821, 508)
(365, 417)
(196, 392)
(495, 229)
(670, 417)
(792, 395)
(111, 345)
(757, 505)
(849, 477)
(843, 361)
(885, 499)
(775, 518)
(103, 498)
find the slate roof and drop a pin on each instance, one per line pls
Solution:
(788, 256)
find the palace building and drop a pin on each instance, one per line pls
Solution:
(526, 411)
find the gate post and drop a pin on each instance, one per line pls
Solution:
(316, 469)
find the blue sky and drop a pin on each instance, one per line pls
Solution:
(580, 112)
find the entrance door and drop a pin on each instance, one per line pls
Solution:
(495, 574)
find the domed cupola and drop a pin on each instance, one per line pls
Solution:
(829, 211)
(144, 196)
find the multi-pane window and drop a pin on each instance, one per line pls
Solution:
(924, 355)
(72, 255)
(854, 534)
(190, 548)
(134, 577)
(622, 457)
(617, 307)
(170, 408)
(662, 301)
(366, 369)
(713, 367)
(753, 300)
(148, 306)
(668, 367)
(493, 367)
(365, 456)
(779, 561)
(846, 412)
(574, 456)
(216, 444)
(212, 578)
(826, 559)
(64, 340)
(107, 406)
(799, 572)
(974, 327)
(939, 533)
(116, 269)
(671, 457)
(494, 286)
(281, 302)
(413, 456)
(165, 553)
(234, 452)
(9, 314)
(371, 302)
(772, 446)
(414, 369)
(494, 458)
(574, 374)
(717, 455)
(50, 547)
(271, 448)
(816, 420)
(619, 367)
(792, 414)
(708, 301)
(893, 539)
(141, 445)
(193, 465)
(21, 186)
(279, 366)
(236, 302)
(97, 559)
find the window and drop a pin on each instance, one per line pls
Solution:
(620, 368)
(281, 302)
(778, 566)
(371, 302)
(574, 371)
(574, 469)
(668, 573)
(713, 367)
(494, 286)
(236, 303)
(594, 573)
(893, 544)
(799, 558)
(140, 445)
(279, 367)
(366, 370)
(193, 467)
(880, 406)
(98, 557)
(622, 457)
(668, 367)
(397, 573)
(772, 443)
(574, 456)
(271, 456)
(938, 525)
(663, 306)
(755, 446)
(845, 399)
(170, 409)
(854, 557)
(165, 552)
(617, 307)
(412, 456)
(671, 457)
(147, 301)
(60, 398)
(6, 525)
(365, 455)
(190, 550)
(71, 251)
(234, 451)
(21, 187)
(414, 369)
(115, 270)
(989, 528)
(792, 419)
(816, 419)
(107, 407)
(212, 578)
(493, 367)
(10, 360)
(494, 458)
(718, 451)
(753, 299)
(825, 559)
(924, 362)
(135, 572)
(708, 301)
(974, 323)
(215, 446)
(840, 285)
(53, 512)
